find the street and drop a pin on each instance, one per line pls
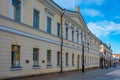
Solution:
(105, 74)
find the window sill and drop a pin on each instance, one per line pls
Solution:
(73, 65)
(49, 66)
(58, 66)
(36, 67)
(67, 65)
(16, 68)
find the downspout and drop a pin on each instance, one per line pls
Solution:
(62, 40)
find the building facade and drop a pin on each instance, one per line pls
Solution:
(38, 37)
(116, 58)
(106, 58)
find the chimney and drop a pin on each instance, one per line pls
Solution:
(77, 9)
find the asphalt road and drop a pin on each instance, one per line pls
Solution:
(100, 74)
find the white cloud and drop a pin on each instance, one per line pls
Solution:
(104, 28)
(91, 12)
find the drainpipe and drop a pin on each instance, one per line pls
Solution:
(62, 40)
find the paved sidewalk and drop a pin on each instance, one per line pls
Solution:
(48, 76)
(96, 74)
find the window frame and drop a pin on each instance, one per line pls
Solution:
(73, 59)
(14, 56)
(49, 58)
(36, 18)
(49, 26)
(66, 33)
(77, 38)
(36, 57)
(17, 10)
(58, 30)
(72, 36)
(67, 59)
(58, 59)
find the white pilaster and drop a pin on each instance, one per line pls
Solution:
(10, 10)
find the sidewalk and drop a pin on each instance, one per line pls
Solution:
(52, 75)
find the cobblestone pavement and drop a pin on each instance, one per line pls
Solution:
(97, 74)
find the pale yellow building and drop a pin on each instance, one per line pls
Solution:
(34, 34)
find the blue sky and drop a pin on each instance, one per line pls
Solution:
(102, 18)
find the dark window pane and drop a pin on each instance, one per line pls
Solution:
(48, 57)
(17, 9)
(58, 29)
(36, 19)
(36, 56)
(77, 38)
(66, 58)
(49, 24)
(72, 35)
(66, 33)
(58, 58)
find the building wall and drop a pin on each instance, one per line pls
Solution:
(22, 33)
(4, 8)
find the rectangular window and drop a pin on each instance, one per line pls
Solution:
(66, 59)
(36, 19)
(58, 59)
(66, 33)
(58, 29)
(72, 35)
(72, 59)
(17, 9)
(15, 56)
(48, 57)
(49, 24)
(35, 57)
(77, 38)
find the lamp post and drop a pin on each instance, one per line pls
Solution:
(62, 40)
(83, 69)
(88, 53)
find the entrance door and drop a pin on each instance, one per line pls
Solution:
(78, 61)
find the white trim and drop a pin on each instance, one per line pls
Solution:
(35, 37)
(32, 16)
(40, 20)
(46, 22)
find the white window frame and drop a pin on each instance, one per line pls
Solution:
(50, 14)
(11, 11)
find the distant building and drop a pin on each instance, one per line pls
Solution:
(105, 55)
(116, 57)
